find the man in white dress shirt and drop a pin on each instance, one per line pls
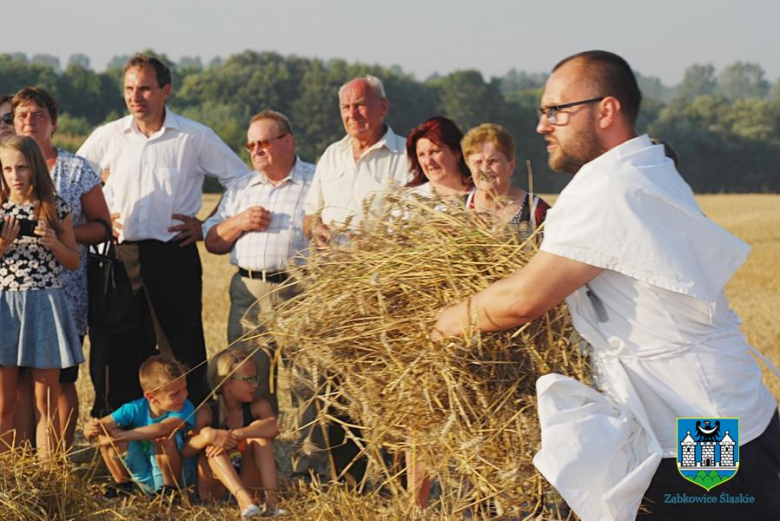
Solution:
(368, 160)
(643, 273)
(365, 163)
(157, 162)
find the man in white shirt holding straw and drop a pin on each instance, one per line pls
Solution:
(643, 273)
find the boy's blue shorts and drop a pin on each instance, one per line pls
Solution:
(140, 461)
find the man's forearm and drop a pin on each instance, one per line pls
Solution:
(308, 225)
(223, 236)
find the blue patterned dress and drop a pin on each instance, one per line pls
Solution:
(73, 177)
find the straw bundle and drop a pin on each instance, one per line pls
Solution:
(464, 409)
(32, 489)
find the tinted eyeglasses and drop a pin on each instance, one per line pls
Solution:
(7, 118)
(552, 112)
(263, 143)
(251, 379)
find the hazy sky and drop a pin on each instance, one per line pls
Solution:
(660, 38)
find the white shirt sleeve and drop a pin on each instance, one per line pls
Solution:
(218, 160)
(94, 150)
(314, 200)
(224, 211)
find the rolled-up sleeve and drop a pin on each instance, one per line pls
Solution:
(314, 200)
(226, 208)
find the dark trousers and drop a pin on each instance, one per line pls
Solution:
(758, 477)
(167, 286)
(345, 451)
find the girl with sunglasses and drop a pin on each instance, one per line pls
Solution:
(233, 437)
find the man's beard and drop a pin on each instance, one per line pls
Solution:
(577, 153)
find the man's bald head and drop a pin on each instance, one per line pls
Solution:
(607, 74)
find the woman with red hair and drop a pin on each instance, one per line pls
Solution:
(437, 164)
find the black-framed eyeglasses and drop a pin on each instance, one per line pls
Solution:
(552, 112)
(7, 118)
(263, 143)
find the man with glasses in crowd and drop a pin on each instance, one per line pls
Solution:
(643, 273)
(157, 162)
(260, 223)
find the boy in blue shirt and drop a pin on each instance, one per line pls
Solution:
(141, 441)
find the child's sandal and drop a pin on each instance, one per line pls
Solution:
(251, 511)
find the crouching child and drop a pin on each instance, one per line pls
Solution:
(233, 437)
(141, 442)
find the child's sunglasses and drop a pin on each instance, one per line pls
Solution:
(250, 379)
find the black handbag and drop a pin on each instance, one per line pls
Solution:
(109, 288)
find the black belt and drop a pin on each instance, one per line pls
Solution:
(266, 276)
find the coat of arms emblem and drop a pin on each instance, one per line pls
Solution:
(708, 450)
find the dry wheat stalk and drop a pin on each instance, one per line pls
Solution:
(466, 407)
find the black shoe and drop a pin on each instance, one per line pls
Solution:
(168, 491)
(120, 490)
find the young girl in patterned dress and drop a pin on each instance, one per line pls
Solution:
(36, 115)
(233, 437)
(36, 324)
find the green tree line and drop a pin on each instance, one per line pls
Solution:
(724, 125)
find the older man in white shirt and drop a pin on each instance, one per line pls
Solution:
(260, 223)
(364, 164)
(643, 273)
(368, 160)
(157, 162)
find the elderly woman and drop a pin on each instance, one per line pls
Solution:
(6, 116)
(490, 154)
(437, 164)
(35, 115)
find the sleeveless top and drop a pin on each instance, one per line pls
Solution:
(521, 221)
(246, 411)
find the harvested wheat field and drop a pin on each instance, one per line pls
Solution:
(464, 411)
